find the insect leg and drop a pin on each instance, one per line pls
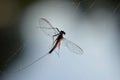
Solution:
(58, 49)
(53, 38)
(57, 29)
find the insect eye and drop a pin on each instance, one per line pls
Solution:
(64, 33)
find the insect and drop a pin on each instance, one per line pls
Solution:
(51, 31)
(45, 25)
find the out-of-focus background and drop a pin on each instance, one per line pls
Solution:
(10, 39)
(92, 24)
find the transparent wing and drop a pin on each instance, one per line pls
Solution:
(47, 27)
(72, 46)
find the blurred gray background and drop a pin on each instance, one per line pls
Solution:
(92, 24)
(10, 38)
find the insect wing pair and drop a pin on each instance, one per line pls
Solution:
(51, 31)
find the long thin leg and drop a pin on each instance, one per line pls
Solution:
(49, 23)
(57, 29)
(53, 38)
(58, 49)
(49, 28)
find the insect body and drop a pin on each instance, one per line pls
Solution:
(58, 40)
(46, 26)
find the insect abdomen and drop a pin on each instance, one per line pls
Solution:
(53, 47)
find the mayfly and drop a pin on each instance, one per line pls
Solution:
(46, 26)
(51, 31)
